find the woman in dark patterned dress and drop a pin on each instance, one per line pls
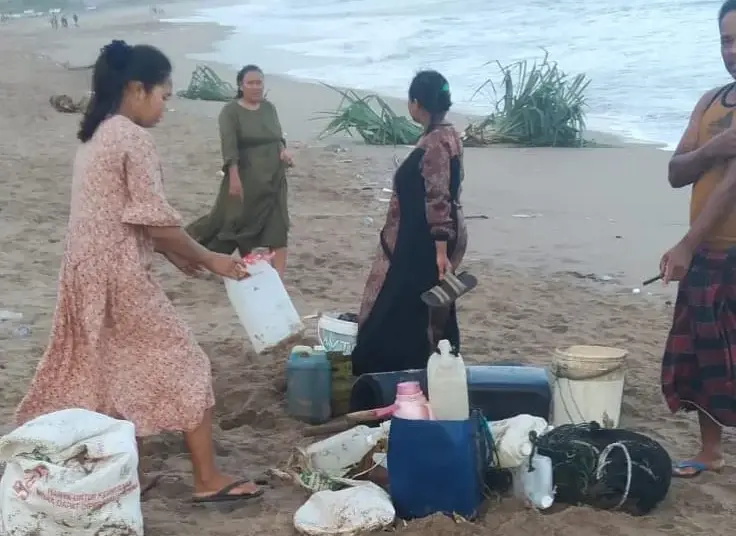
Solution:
(423, 239)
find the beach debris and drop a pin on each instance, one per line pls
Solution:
(476, 217)
(540, 106)
(10, 315)
(636, 291)
(371, 118)
(22, 332)
(66, 104)
(206, 85)
(336, 148)
(591, 277)
(355, 510)
(526, 215)
(70, 67)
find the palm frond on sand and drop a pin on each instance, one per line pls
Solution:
(371, 118)
(539, 106)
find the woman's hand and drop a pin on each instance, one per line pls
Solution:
(184, 265)
(676, 263)
(443, 264)
(226, 266)
(443, 261)
(235, 188)
(286, 158)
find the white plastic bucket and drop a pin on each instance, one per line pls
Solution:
(336, 335)
(588, 385)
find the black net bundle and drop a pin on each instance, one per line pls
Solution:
(607, 468)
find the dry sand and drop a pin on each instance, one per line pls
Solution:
(603, 211)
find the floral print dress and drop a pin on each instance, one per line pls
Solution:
(117, 344)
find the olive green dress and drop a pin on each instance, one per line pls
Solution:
(253, 140)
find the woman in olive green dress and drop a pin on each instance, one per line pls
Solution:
(251, 207)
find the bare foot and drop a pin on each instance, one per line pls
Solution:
(211, 487)
(697, 465)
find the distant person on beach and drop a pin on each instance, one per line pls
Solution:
(251, 207)
(75, 18)
(700, 356)
(117, 344)
(422, 242)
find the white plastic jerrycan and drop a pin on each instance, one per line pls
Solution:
(262, 304)
(447, 383)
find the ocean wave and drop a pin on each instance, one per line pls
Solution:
(646, 72)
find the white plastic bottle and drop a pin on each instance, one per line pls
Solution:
(447, 382)
(535, 486)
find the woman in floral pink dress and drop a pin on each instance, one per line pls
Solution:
(117, 345)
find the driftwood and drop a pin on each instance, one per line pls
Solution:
(78, 67)
(65, 104)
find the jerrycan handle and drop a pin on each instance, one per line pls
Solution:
(252, 258)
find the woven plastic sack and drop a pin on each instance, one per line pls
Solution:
(70, 472)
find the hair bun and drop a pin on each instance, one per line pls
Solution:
(118, 54)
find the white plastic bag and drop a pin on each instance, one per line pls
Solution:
(70, 473)
(511, 437)
(363, 508)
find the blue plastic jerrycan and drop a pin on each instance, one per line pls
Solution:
(309, 385)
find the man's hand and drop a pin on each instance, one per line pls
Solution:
(722, 146)
(676, 263)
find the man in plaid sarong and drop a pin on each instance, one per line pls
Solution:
(700, 355)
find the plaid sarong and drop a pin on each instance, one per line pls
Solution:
(698, 363)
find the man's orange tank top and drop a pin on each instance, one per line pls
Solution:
(718, 117)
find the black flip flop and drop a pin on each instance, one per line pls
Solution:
(151, 482)
(224, 495)
(450, 289)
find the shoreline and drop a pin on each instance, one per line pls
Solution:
(601, 137)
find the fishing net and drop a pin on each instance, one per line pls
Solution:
(206, 85)
(607, 468)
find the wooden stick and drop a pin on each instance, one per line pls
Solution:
(652, 280)
(334, 427)
(346, 422)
